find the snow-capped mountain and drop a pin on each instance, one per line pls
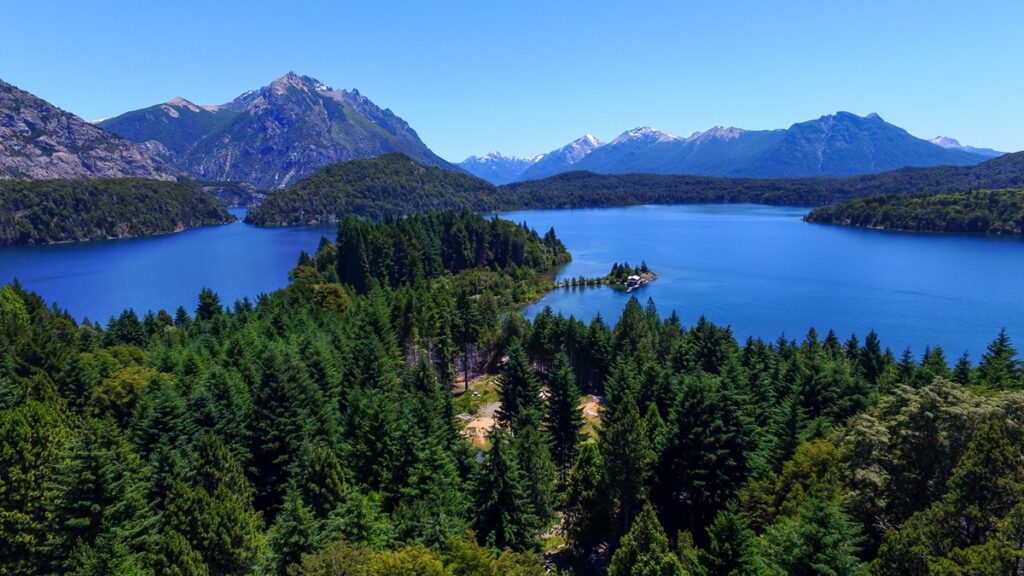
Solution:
(496, 167)
(562, 159)
(953, 144)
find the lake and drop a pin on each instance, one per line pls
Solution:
(757, 269)
(764, 272)
(100, 279)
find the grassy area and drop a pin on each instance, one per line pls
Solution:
(482, 391)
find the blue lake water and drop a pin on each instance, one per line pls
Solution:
(758, 269)
(100, 279)
(764, 272)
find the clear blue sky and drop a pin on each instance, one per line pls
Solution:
(524, 77)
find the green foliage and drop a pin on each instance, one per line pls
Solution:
(644, 550)
(979, 212)
(388, 185)
(564, 421)
(586, 189)
(519, 389)
(289, 434)
(820, 540)
(504, 510)
(50, 211)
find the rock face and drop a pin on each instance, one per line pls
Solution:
(273, 136)
(40, 141)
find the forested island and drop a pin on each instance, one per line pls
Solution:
(978, 212)
(314, 432)
(388, 185)
(52, 211)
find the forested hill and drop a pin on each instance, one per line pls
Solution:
(586, 189)
(396, 185)
(388, 185)
(979, 212)
(50, 211)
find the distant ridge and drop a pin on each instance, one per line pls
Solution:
(840, 144)
(273, 136)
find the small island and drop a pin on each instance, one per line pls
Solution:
(621, 277)
(977, 212)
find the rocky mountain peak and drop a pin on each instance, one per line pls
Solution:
(40, 141)
(643, 133)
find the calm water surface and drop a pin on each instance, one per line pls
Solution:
(100, 279)
(764, 272)
(758, 269)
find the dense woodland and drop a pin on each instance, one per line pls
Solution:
(393, 185)
(313, 432)
(49, 211)
(981, 212)
(388, 185)
(586, 189)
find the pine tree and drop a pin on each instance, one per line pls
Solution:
(519, 390)
(33, 438)
(209, 305)
(320, 479)
(586, 518)
(644, 550)
(534, 456)
(732, 546)
(294, 533)
(504, 511)
(820, 540)
(871, 360)
(707, 456)
(963, 372)
(999, 367)
(103, 485)
(628, 456)
(564, 421)
(933, 365)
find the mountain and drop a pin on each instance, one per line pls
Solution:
(844, 144)
(40, 141)
(388, 185)
(840, 144)
(562, 159)
(172, 128)
(496, 168)
(273, 136)
(952, 144)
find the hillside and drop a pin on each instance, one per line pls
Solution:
(40, 141)
(273, 136)
(586, 189)
(389, 185)
(977, 212)
(51, 211)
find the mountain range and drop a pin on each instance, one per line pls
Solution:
(278, 134)
(840, 144)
